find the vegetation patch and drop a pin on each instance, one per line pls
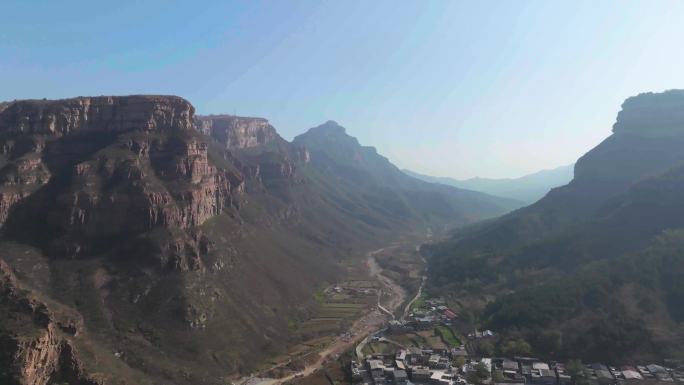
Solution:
(448, 336)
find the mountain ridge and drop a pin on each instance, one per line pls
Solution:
(527, 189)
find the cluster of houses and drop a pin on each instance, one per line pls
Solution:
(440, 365)
(427, 366)
(413, 365)
(350, 290)
(434, 312)
(606, 375)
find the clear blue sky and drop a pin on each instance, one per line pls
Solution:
(447, 88)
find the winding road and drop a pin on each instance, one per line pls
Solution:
(361, 330)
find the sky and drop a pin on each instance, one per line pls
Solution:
(447, 88)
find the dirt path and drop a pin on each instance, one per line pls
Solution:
(407, 309)
(360, 329)
(397, 294)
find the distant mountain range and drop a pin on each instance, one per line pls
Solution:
(526, 189)
(593, 270)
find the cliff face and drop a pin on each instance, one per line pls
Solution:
(237, 132)
(105, 204)
(98, 169)
(648, 138)
(104, 114)
(652, 115)
(43, 354)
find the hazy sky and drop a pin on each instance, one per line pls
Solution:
(448, 88)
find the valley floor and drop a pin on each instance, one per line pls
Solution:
(390, 296)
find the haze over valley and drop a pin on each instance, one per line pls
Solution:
(526, 189)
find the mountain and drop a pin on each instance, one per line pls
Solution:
(591, 270)
(526, 189)
(363, 175)
(141, 243)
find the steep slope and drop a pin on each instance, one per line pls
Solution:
(362, 175)
(527, 189)
(142, 244)
(621, 160)
(179, 257)
(593, 261)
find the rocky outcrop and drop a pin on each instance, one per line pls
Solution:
(652, 114)
(28, 127)
(106, 168)
(23, 172)
(104, 113)
(171, 184)
(303, 154)
(648, 138)
(41, 353)
(46, 359)
(7, 200)
(236, 131)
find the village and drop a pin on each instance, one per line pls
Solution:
(424, 349)
(425, 342)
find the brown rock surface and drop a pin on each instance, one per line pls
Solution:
(115, 193)
(39, 351)
(107, 167)
(237, 131)
(103, 113)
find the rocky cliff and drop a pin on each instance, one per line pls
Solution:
(126, 189)
(652, 114)
(103, 114)
(40, 350)
(236, 131)
(103, 168)
(647, 139)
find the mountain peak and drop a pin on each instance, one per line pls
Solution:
(330, 127)
(326, 134)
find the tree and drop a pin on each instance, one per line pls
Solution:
(485, 348)
(548, 342)
(516, 347)
(482, 371)
(576, 371)
(479, 375)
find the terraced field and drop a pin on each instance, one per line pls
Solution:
(339, 306)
